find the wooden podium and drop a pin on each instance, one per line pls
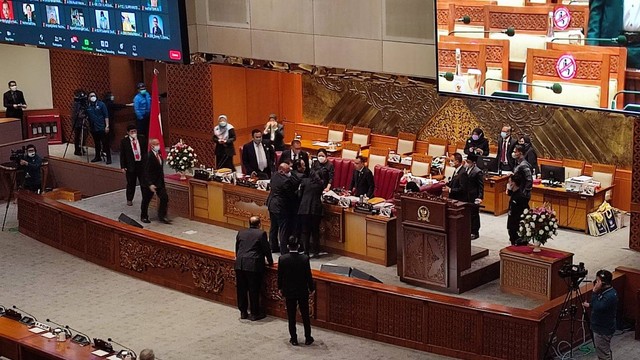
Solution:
(434, 245)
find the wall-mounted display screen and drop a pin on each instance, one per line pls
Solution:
(147, 29)
(530, 51)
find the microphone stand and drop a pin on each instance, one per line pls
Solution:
(125, 347)
(81, 339)
(61, 327)
(30, 321)
(614, 99)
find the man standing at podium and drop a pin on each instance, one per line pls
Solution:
(611, 18)
(14, 102)
(472, 183)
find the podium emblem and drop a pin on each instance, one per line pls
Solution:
(423, 214)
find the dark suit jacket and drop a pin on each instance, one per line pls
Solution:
(511, 144)
(153, 172)
(294, 275)
(252, 248)
(326, 171)
(518, 202)
(606, 21)
(250, 161)
(286, 157)
(227, 148)
(532, 158)
(8, 101)
(472, 185)
(310, 197)
(283, 197)
(456, 188)
(278, 138)
(127, 159)
(362, 182)
(481, 143)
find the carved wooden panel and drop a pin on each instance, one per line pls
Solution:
(100, 243)
(50, 224)
(510, 339)
(528, 277)
(453, 328)
(208, 274)
(401, 318)
(469, 59)
(425, 257)
(634, 232)
(586, 70)
(243, 206)
(352, 307)
(475, 13)
(442, 16)
(331, 227)
(494, 54)
(28, 216)
(73, 234)
(178, 200)
(520, 21)
(203, 147)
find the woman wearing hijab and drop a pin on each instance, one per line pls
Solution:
(224, 136)
(529, 153)
(324, 168)
(477, 144)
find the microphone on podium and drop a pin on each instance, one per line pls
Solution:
(447, 76)
(81, 339)
(510, 31)
(555, 87)
(620, 40)
(465, 19)
(126, 354)
(30, 321)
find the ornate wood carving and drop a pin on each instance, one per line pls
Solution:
(587, 70)
(178, 201)
(352, 307)
(475, 13)
(100, 243)
(401, 318)
(453, 328)
(245, 206)
(634, 232)
(28, 216)
(50, 221)
(520, 21)
(331, 227)
(73, 234)
(447, 58)
(509, 340)
(525, 276)
(208, 274)
(428, 257)
(494, 54)
(442, 16)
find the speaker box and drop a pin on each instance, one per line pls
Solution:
(336, 269)
(127, 220)
(355, 273)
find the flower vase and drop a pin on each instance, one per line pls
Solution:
(183, 175)
(536, 246)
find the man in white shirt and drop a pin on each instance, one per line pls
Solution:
(258, 158)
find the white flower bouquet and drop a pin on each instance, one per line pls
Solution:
(182, 157)
(539, 224)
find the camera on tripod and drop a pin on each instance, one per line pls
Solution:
(573, 272)
(17, 155)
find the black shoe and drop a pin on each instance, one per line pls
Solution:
(145, 220)
(95, 160)
(77, 153)
(244, 315)
(309, 340)
(257, 317)
(108, 162)
(474, 236)
(164, 220)
(294, 342)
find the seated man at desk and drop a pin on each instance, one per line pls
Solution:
(31, 165)
(362, 182)
(258, 158)
(295, 153)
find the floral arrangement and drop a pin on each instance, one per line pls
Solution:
(538, 225)
(181, 157)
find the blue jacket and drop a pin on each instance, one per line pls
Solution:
(97, 113)
(142, 105)
(603, 311)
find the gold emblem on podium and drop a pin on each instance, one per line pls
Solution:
(423, 214)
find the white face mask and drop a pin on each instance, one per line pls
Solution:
(156, 148)
(222, 124)
(31, 154)
(133, 136)
(322, 159)
(514, 155)
(288, 174)
(13, 88)
(93, 98)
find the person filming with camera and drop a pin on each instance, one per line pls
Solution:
(603, 305)
(31, 164)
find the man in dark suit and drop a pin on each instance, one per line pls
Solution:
(295, 153)
(455, 190)
(252, 248)
(295, 282)
(362, 181)
(132, 160)
(506, 143)
(282, 207)
(14, 102)
(472, 183)
(258, 158)
(153, 177)
(156, 29)
(310, 212)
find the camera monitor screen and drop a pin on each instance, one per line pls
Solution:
(487, 163)
(552, 173)
(146, 29)
(542, 53)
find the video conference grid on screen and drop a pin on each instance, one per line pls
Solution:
(148, 29)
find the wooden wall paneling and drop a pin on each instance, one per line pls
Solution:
(311, 132)
(100, 245)
(384, 141)
(421, 147)
(263, 96)
(454, 328)
(290, 97)
(622, 190)
(230, 94)
(510, 338)
(629, 301)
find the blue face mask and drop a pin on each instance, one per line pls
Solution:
(504, 134)
(475, 137)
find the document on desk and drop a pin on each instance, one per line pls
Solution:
(48, 335)
(321, 143)
(37, 330)
(99, 353)
(113, 357)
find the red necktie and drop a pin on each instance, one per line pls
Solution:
(136, 153)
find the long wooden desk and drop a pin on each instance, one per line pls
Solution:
(342, 231)
(571, 208)
(18, 343)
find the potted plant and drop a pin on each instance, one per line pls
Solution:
(538, 225)
(182, 158)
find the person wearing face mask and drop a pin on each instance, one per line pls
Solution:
(477, 143)
(282, 207)
(518, 202)
(362, 181)
(455, 189)
(324, 168)
(310, 212)
(31, 165)
(529, 153)
(153, 179)
(132, 160)
(142, 108)
(224, 135)
(472, 188)
(273, 133)
(99, 123)
(14, 103)
(604, 309)
(294, 154)
(505, 147)
(258, 158)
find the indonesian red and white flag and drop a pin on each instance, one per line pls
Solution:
(155, 119)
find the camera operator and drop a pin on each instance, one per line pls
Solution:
(79, 119)
(604, 302)
(31, 164)
(99, 120)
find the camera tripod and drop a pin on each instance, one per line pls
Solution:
(569, 312)
(83, 147)
(12, 169)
